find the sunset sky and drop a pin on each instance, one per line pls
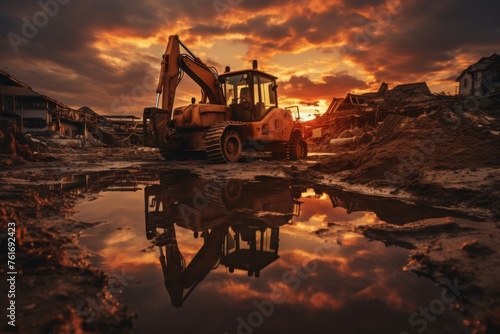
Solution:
(106, 54)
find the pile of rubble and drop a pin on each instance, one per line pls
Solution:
(104, 132)
(14, 144)
(352, 121)
(447, 135)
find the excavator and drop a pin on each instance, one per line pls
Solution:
(238, 111)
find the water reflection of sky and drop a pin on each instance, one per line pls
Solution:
(343, 284)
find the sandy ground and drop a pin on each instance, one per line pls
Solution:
(450, 251)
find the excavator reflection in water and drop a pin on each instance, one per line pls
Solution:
(239, 223)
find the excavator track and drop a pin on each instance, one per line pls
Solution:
(294, 148)
(305, 149)
(214, 141)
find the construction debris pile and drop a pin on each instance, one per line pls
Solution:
(54, 124)
(15, 144)
(352, 120)
(101, 131)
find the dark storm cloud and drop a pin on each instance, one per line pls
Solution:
(329, 86)
(258, 28)
(257, 5)
(202, 29)
(363, 3)
(66, 41)
(315, 27)
(68, 30)
(426, 36)
(327, 25)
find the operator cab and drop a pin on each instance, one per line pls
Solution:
(250, 94)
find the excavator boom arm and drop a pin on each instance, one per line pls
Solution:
(169, 74)
(172, 66)
(205, 78)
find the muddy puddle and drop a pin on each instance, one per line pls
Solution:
(192, 255)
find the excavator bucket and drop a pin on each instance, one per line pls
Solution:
(155, 126)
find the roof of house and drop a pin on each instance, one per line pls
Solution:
(12, 86)
(483, 64)
(410, 88)
(7, 80)
(17, 91)
(381, 91)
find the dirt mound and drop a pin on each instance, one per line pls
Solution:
(404, 147)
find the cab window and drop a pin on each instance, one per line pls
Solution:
(238, 92)
(265, 95)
